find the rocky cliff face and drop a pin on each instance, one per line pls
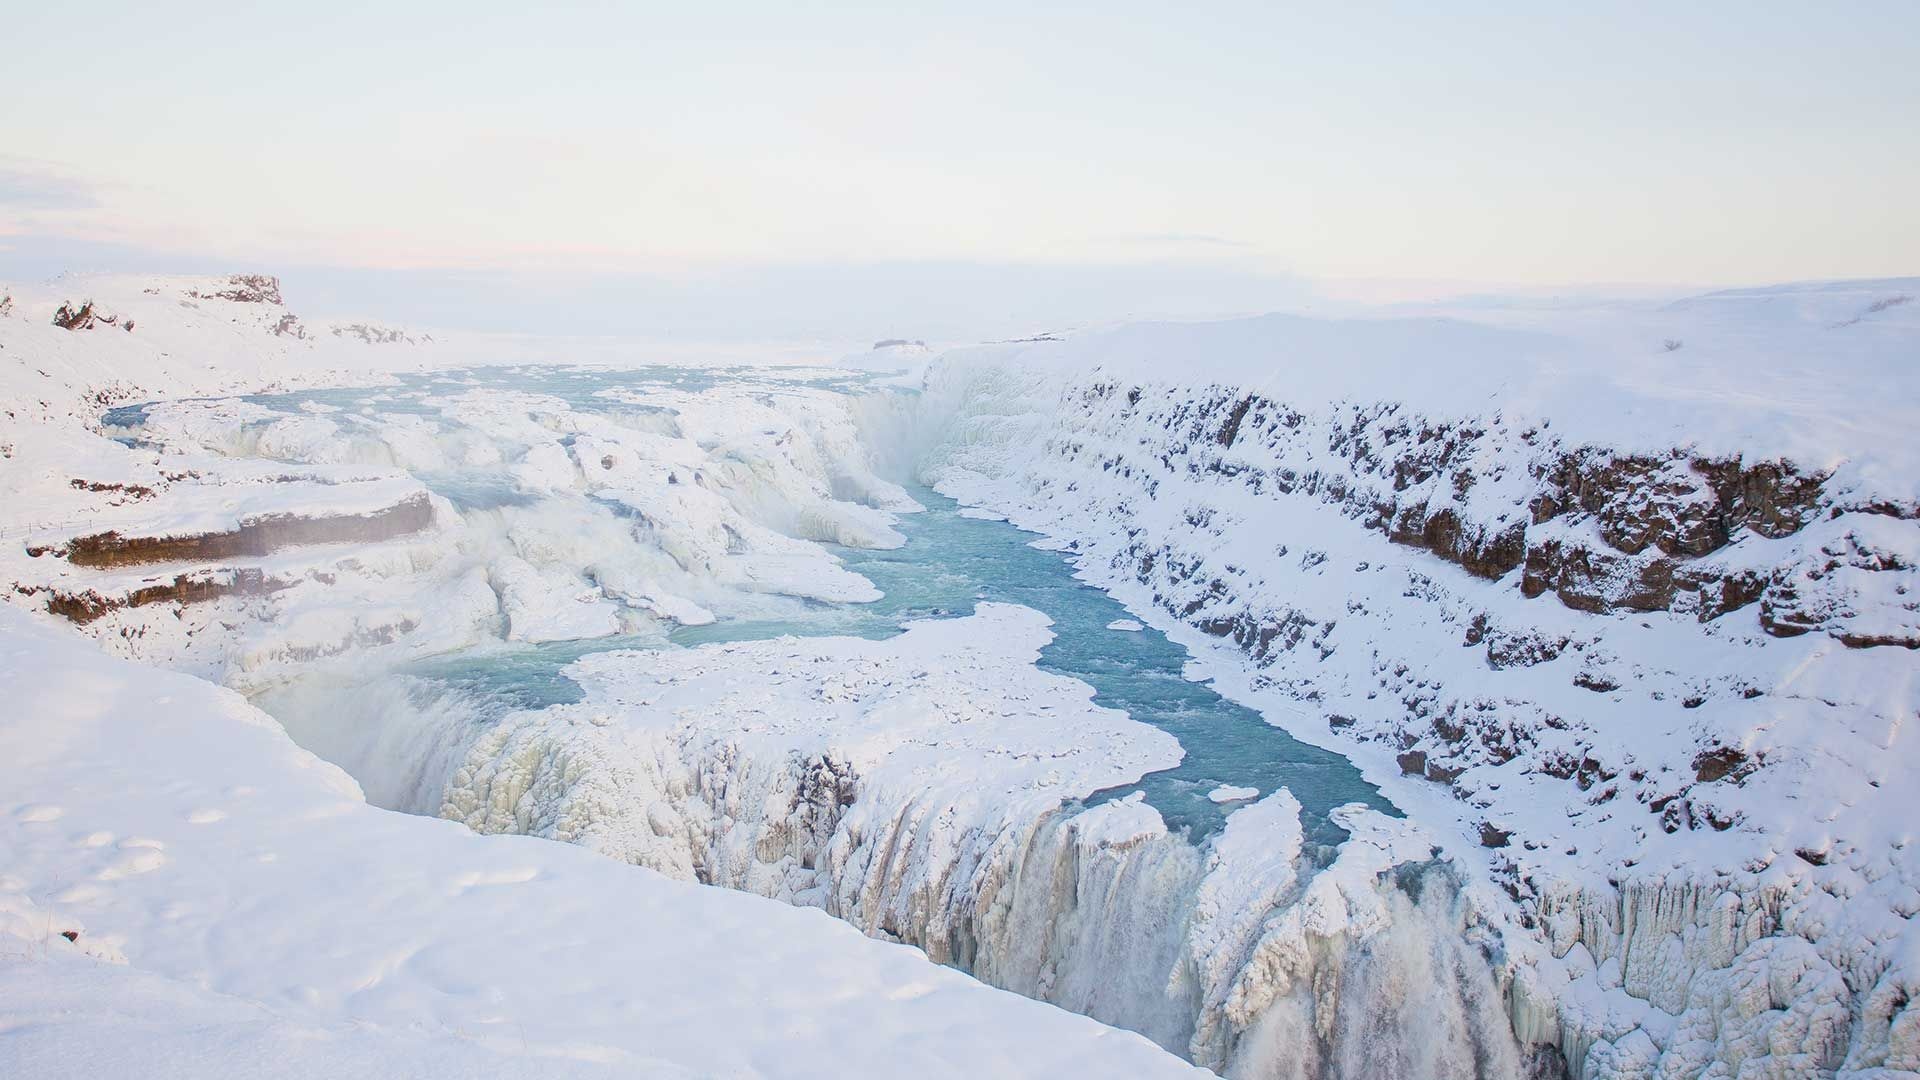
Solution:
(1601, 529)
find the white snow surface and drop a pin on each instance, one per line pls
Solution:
(1598, 889)
(1228, 793)
(1822, 374)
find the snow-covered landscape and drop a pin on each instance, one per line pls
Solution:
(993, 540)
(1506, 690)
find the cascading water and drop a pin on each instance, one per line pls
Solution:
(1276, 940)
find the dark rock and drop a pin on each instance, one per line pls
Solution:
(261, 536)
(1597, 683)
(1231, 428)
(1718, 764)
(87, 605)
(84, 317)
(1868, 641)
(1509, 650)
(246, 289)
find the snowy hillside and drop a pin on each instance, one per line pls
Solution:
(1614, 603)
(185, 336)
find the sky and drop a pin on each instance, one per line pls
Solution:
(1069, 160)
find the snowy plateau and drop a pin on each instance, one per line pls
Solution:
(1515, 689)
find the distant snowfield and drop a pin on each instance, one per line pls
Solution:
(1658, 823)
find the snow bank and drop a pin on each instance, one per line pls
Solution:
(235, 904)
(1820, 374)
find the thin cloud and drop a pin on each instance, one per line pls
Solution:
(30, 185)
(1180, 239)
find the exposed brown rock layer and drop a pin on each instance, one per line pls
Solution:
(261, 536)
(85, 606)
(1601, 530)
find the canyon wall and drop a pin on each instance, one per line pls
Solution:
(1655, 694)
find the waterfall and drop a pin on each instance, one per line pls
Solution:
(1241, 953)
(400, 736)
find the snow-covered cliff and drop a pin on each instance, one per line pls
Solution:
(1635, 605)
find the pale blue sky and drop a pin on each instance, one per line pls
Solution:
(1694, 143)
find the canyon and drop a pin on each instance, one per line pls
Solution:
(1575, 709)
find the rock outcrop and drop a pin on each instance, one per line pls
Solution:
(253, 538)
(86, 605)
(86, 316)
(244, 289)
